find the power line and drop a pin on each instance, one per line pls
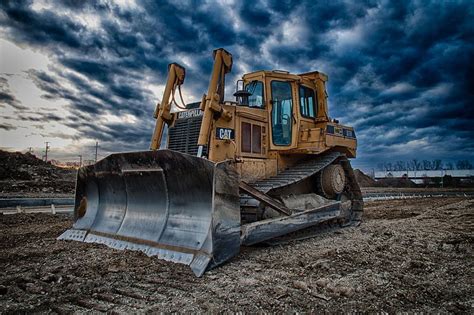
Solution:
(46, 151)
(96, 148)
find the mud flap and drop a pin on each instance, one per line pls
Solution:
(175, 206)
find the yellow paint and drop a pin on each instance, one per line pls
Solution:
(309, 135)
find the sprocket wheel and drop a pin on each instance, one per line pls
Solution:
(332, 180)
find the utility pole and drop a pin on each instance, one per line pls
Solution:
(80, 160)
(96, 148)
(46, 151)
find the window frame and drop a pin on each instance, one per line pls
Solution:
(253, 153)
(315, 102)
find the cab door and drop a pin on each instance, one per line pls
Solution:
(282, 115)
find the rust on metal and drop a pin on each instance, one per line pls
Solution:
(136, 240)
(81, 210)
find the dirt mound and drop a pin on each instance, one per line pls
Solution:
(16, 165)
(367, 181)
(402, 182)
(363, 179)
(25, 173)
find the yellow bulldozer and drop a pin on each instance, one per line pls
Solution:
(269, 165)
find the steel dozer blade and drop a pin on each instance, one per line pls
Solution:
(175, 206)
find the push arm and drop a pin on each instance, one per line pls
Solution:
(210, 104)
(176, 74)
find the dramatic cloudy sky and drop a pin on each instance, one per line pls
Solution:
(73, 72)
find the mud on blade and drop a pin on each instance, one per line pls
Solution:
(175, 206)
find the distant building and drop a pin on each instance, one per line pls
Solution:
(422, 176)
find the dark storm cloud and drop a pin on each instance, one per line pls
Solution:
(40, 29)
(40, 117)
(401, 73)
(7, 97)
(7, 126)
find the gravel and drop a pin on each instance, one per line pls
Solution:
(407, 256)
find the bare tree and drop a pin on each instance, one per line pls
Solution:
(389, 166)
(400, 166)
(437, 165)
(427, 165)
(463, 165)
(416, 164)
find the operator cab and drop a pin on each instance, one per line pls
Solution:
(289, 101)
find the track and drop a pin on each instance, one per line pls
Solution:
(304, 170)
(297, 173)
(289, 177)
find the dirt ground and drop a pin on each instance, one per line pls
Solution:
(408, 255)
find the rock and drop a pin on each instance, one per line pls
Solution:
(34, 288)
(113, 269)
(248, 281)
(301, 285)
(416, 264)
(280, 291)
(323, 282)
(322, 264)
(345, 291)
(49, 278)
(3, 290)
(342, 290)
(320, 296)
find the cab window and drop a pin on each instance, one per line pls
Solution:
(282, 108)
(307, 102)
(255, 88)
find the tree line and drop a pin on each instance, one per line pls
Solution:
(424, 165)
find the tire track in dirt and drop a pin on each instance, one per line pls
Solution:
(408, 255)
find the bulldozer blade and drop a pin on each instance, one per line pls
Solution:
(179, 207)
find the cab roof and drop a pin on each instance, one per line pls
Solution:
(286, 74)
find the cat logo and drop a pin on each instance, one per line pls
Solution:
(224, 133)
